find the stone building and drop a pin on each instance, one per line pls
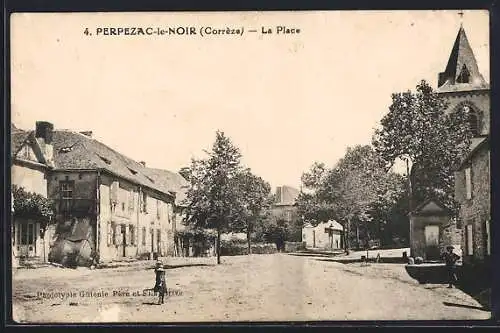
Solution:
(108, 206)
(429, 222)
(463, 86)
(284, 210)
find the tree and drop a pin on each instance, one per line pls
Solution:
(254, 201)
(29, 204)
(212, 200)
(417, 126)
(356, 191)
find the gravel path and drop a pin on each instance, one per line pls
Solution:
(275, 287)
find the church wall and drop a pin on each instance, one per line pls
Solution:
(480, 99)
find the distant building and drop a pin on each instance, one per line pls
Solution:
(284, 210)
(326, 235)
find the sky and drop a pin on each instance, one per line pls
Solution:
(285, 100)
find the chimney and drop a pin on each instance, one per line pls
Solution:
(44, 130)
(143, 163)
(43, 134)
(279, 198)
(87, 133)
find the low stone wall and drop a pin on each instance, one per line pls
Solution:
(239, 248)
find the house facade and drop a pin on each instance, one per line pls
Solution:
(108, 206)
(32, 160)
(473, 192)
(326, 235)
(463, 86)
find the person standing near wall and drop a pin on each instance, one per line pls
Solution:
(450, 260)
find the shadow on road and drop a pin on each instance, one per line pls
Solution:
(466, 306)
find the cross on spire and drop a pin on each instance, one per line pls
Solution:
(461, 14)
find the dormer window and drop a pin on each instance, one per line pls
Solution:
(107, 161)
(464, 75)
(132, 171)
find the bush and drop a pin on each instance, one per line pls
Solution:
(240, 247)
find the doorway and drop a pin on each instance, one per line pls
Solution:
(432, 242)
(26, 237)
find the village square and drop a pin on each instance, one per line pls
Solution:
(98, 236)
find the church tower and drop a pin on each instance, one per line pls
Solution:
(463, 86)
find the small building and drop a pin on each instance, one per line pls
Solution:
(326, 235)
(427, 224)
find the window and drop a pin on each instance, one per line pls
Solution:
(110, 233)
(123, 206)
(131, 200)
(104, 159)
(158, 209)
(468, 183)
(143, 235)
(488, 237)
(144, 202)
(66, 192)
(469, 239)
(131, 234)
(464, 75)
(158, 240)
(113, 233)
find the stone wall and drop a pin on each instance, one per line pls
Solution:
(418, 247)
(475, 211)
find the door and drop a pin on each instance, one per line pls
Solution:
(124, 240)
(432, 242)
(27, 239)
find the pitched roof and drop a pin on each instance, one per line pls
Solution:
(73, 150)
(287, 197)
(476, 146)
(461, 60)
(430, 206)
(172, 181)
(17, 138)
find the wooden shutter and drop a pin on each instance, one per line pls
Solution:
(488, 237)
(110, 233)
(468, 183)
(469, 239)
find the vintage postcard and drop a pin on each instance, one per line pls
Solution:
(176, 167)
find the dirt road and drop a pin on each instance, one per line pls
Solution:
(243, 288)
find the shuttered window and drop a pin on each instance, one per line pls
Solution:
(468, 184)
(469, 239)
(110, 233)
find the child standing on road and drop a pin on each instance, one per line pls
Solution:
(161, 282)
(451, 259)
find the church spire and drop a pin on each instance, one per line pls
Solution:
(462, 72)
